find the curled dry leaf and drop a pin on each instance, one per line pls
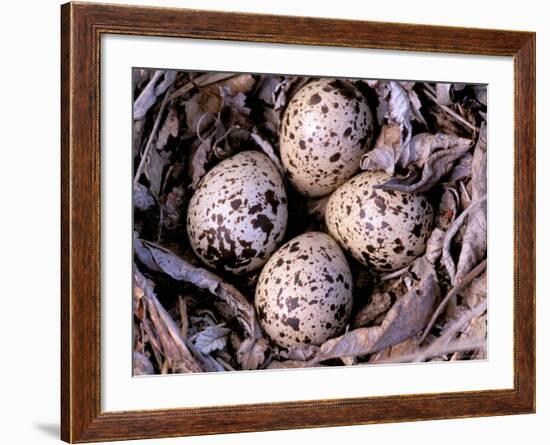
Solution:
(211, 339)
(406, 318)
(434, 166)
(436, 152)
(462, 169)
(416, 105)
(447, 258)
(386, 151)
(474, 242)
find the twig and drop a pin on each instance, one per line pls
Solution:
(450, 112)
(155, 345)
(149, 144)
(226, 365)
(468, 278)
(463, 188)
(395, 274)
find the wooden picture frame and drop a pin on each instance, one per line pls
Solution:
(82, 26)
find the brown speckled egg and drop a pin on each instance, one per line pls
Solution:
(385, 230)
(325, 130)
(237, 216)
(304, 293)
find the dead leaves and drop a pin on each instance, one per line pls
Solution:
(159, 83)
(189, 319)
(406, 317)
(211, 339)
(474, 242)
(434, 155)
(157, 258)
(170, 344)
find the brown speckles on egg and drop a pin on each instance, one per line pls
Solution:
(398, 224)
(310, 299)
(329, 121)
(238, 214)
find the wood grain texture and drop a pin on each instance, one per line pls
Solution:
(81, 416)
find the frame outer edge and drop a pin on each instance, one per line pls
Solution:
(66, 89)
(525, 86)
(82, 419)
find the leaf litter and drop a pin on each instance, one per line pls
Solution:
(431, 138)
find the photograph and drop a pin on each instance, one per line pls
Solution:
(290, 221)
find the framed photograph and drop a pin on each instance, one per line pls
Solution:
(274, 222)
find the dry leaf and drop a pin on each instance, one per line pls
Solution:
(474, 242)
(267, 88)
(435, 166)
(380, 303)
(406, 318)
(143, 200)
(443, 93)
(170, 127)
(424, 149)
(251, 353)
(401, 113)
(211, 339)
(152, 91)
(476, 292)
(385, 153)
(142, 365)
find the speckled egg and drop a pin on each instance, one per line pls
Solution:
(304, 293)
(325, 130)
(237, 216)
(382, 229)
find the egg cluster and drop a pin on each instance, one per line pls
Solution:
(237, 217)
